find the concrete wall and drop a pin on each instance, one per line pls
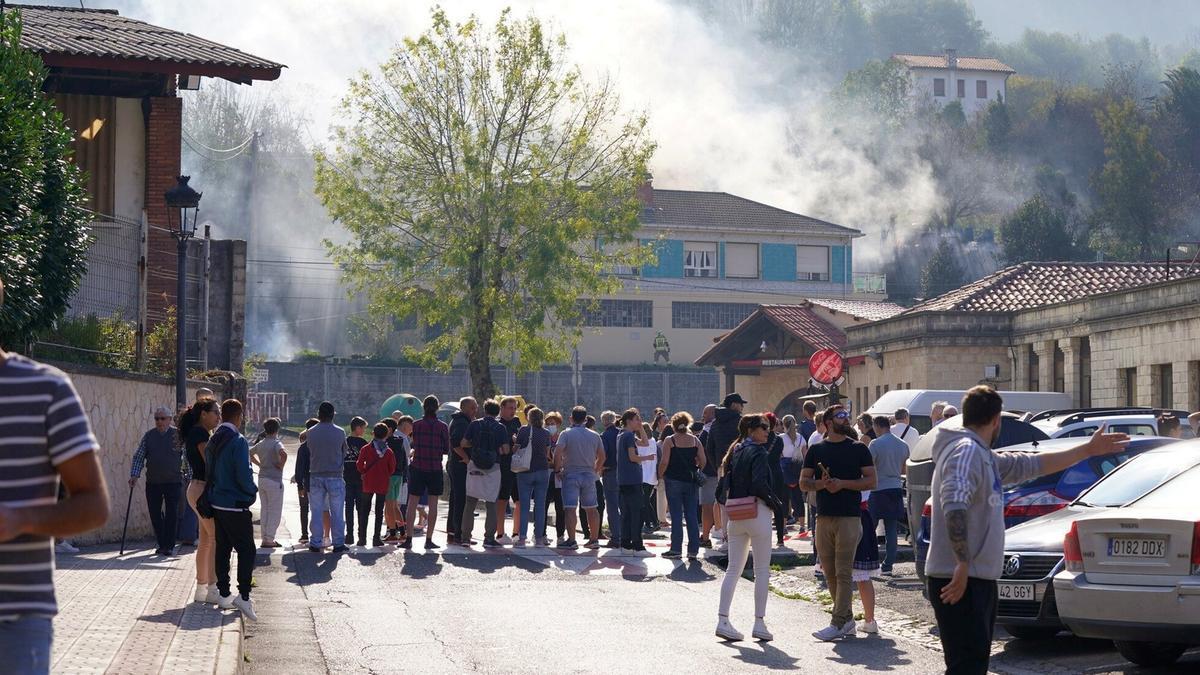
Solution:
(120, 407)
(129, 180)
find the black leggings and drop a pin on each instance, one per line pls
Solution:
(649, 507)
(234, 532)
(631, 516)
(554, 496)
(353, 493)
(304, 515)
(364, 510)
(781, 515)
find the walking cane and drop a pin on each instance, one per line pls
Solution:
(126, 527)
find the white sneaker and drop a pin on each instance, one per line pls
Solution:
(213, 597)
(828, 633)
(760, 631)
(504, 541)
(848, 628)
(726, 631)
(65, 546)
(225, 601)
(869, 627)
(246, 607)
(201, 594)
(717, 534)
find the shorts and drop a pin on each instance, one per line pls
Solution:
(395, 486)
(579, 489)
(421, 482)
(708, 491)
(508, 485)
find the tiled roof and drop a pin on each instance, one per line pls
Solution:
(798, 320)
(70, 34)
(964, 62)
(862, 309)
(1037, 284)
(721, 210)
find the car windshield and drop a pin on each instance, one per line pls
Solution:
(1180, 490)
(1134, 479)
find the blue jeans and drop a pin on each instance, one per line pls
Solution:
(612, 502)
(532, 486)
(891, 527)
(327, 494)
(683, 501)
(25, 644)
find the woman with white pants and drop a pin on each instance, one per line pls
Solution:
(747, 473)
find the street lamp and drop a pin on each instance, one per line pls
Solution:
(181, 198)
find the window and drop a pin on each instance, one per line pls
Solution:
(741, 261)
(962, 88)
(812, 263)
(980, 88)
(709, 315)
(1134, 479)
(618, 314)
(700, 259)
(1166, 386)
(939, 86)
(613, 251)
(1131, 396)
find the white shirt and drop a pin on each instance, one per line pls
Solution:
(906, 433)
(815, 438)
(792, 448)
(649, 467)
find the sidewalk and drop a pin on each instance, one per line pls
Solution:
(134, 614)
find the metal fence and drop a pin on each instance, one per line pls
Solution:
(360, 390)
(111, 285)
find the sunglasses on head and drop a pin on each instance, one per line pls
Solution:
(841, 415)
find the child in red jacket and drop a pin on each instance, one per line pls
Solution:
(376, 462)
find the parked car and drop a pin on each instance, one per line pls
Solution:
(1050, 493)
(919, 469)
(1081, 423)
(919, 402)
(1132, 563)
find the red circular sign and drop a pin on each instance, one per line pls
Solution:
(825, 366)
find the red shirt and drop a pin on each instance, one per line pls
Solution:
(376, 471)
(430, 443)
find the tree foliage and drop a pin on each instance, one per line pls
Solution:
(487, 188)
(880, 88)
(1036, 231)
(943, 273)
(1131, 219)
(43, 227)
(926, 27)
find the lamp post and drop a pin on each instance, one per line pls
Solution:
(182, 199)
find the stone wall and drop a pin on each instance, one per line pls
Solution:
(120, 406)
(956, 367)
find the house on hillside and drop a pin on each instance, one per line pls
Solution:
(973, 81)
(720, 256)
(1107, 333)
(117, 82)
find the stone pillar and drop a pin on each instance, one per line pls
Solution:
(1070, 350)
(1045, 354)
(1147, 385)
(1020, 368)
(1183, 382)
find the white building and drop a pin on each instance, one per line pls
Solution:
(973, 81)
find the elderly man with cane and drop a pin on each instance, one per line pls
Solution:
(162, 458)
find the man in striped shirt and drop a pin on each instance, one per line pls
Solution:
(44, 436)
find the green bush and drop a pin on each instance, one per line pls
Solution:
(102, 342)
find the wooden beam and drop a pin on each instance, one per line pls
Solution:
(238, 74)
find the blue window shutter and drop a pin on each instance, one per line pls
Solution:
(670, 259)
(720, 260)
(778, 262)
(837, 264)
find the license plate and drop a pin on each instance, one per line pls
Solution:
(1017, 591)
(1137, 548)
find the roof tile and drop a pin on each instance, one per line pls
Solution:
(864, 309)
(721, 210)
(964, 62)
(1037, 284)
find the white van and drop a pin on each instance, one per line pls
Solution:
(919, 403)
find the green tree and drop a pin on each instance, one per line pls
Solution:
(1035, 231)
(487, 188)
(1181, 105)
(1129, 218)
(881, 88)
(926, 27)
(943, 273)
(43, 227)
(997, 127)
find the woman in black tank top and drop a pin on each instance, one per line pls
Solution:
(681, 463)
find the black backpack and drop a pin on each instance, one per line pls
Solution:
(485, 455)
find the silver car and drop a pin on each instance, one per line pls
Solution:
(1132, 569)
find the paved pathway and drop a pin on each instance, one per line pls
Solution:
(133, 614)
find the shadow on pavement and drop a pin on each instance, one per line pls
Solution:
(870, 653)
(691, 573)
(488, 564)
(762, 654)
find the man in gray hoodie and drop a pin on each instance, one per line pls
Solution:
(966, 548)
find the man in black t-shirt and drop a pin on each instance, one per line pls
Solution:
(838, 469)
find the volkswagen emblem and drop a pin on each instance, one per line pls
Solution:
(1012, 565)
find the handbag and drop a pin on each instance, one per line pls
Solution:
(700, 478)
(523, 457)
(741, 508)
